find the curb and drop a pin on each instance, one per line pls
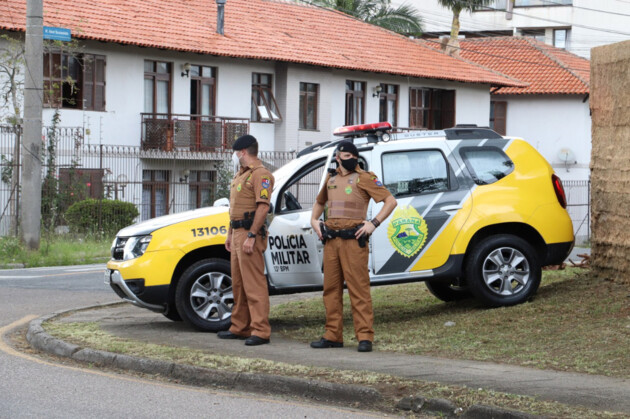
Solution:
(249, 382)
(252, 382)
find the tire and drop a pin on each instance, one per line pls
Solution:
(448, 291)
(503, 270)
(204, 297)
(171, 313)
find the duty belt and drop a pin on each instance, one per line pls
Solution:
(346, 234)
(245, 223)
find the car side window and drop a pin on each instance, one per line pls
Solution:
(486, 164)
(415, 172)
(300, 192)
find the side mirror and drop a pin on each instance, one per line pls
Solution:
(221, 202)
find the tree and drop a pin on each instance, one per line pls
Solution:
(11, 87)
(403, 19)
(456, 6)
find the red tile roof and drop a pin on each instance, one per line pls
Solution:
(547, 69)
(256, 29)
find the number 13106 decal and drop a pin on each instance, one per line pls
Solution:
(208, 231)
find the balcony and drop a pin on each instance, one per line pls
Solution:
(190, 133)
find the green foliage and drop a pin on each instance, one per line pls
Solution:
(84, 217)
(403, 19)
(10, 247)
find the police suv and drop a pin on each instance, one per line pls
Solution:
(478, 215)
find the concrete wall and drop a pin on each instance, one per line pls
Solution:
(552, 123)
(610, 104)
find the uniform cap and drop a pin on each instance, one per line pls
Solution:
(347, 146)
(243, 142)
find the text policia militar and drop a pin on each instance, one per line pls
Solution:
(287, 250)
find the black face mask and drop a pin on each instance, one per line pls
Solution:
(350, 164)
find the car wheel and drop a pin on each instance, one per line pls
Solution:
(503, 270)
(448, 291)
(204, 296)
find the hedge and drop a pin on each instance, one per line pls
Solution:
(83, 216)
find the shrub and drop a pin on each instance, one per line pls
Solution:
(83, 216)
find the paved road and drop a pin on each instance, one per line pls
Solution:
(33, 387)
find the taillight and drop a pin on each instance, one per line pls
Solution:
(557, 187)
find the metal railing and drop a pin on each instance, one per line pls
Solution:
(197, 133)
(111, 172)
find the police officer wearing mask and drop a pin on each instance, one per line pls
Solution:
(347, 193)
(250, 193)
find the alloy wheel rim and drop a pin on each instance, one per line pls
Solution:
(211, 296)
(506, 271)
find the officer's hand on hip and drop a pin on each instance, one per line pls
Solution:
(367, 229)
(248, 245)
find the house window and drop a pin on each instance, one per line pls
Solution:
(560, 38)
(264, 106)
(309, 93)
(74, 81)
(157, 87)
(388, 103)
(201, 188)
(202, 90)
(498, 116)
(355, 102)
(431, 108)
(537, 34)
(154, 193)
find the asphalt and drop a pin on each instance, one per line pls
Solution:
(124, 320)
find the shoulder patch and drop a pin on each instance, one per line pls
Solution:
(264, 194)
(266, 182)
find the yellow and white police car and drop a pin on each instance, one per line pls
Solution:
(478, 216)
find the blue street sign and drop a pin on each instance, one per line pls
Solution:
(57, 34)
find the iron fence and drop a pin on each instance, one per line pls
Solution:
(156, 182)
(578, 194)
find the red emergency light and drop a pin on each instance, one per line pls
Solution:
(353, 130)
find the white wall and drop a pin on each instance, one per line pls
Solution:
(551, 123)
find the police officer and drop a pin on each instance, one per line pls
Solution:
(347, 193)
(250, 193)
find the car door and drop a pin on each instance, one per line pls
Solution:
(294, 252)
(433, 203)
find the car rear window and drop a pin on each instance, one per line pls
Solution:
(487, 164)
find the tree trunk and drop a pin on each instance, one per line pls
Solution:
(452, 48)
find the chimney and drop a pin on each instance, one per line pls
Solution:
(220, 16)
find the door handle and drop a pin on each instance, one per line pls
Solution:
(306, 227)
(448, 208)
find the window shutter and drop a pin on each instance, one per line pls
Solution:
(500, 117)
(99, 83)
(448, 109)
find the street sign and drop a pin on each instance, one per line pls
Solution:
(57, 34)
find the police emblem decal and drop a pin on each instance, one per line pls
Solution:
(407, 231)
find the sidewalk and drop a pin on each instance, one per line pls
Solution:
(595, 392)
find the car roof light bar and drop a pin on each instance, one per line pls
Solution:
(354, 130)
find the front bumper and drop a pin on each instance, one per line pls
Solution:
(114, 279)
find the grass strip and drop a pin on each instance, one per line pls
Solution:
(89, 334)
(574, 323)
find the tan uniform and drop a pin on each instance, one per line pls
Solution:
(250, 314)
(347, 198)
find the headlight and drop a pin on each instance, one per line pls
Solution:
(135, 247)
